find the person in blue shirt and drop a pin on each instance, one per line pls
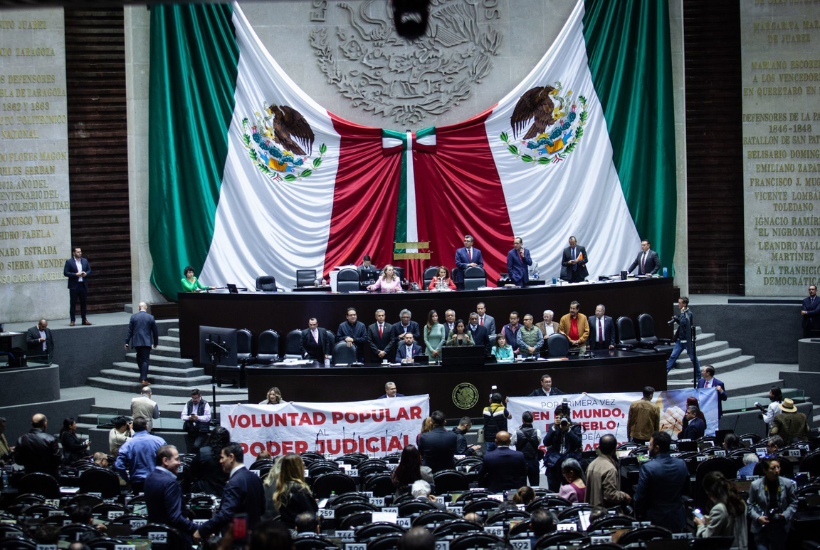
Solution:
(137, 456)
(750, 460)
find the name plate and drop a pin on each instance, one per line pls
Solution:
(329, 513)
(114, 514)
(346, 535)
(600, 539)
(158, 537)
(496, 530)
(404, 522)
(522, 544)
(391, 510)
(377, 501)
(355, 546)
(442, 545)
(137, 523)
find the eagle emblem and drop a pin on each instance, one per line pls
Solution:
(546, 125)
(280, 143)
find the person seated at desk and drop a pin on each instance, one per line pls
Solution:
(434, 335)
(502, 351)
(388, 282)
(407, 351)
(442, 280)
(367, 271)
(461, 336)
(191, 283)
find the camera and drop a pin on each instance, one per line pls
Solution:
(672, 321)
(564, 422)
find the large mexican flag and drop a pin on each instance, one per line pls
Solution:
(250, 176)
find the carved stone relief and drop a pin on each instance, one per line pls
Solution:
(382, 73)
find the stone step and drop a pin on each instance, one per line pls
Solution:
(178, 372)
(173, 332)
(160, 361)
(707, 349)
(159, 389)
(154, 378)
(703, 338)
(709, 359)
(684, 371)
(171, 341)
(165, 351)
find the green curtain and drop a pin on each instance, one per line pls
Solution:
(631, 65)
(194, 59)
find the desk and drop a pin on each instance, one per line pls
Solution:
(284, 312)
(461, 391)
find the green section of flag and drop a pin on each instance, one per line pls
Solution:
(194, 58)
(401, 207)
(631, 64)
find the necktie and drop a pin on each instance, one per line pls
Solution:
(409, 352)
(574, 266)
(600, 330)
(481, 321)
(521, 255)
(643, 264)
(470, 253)
(380, 330)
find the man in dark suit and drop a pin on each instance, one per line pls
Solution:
(77, 269)
(315, 343)
(408, 350)
(391, 391)
(647, 261)
(661, 486)
(517, 261)
(574, 262)
(479, 334)
(243, 494)
(449, 323)
(708, 381)
(811, 312)
(379, 338)
(503, 468)
(466, 257)
(404, 326)
(601, 330)
(163, 495)
(142, 334)
(546, 388)
(695, 428)
(354, 333)
(39, 339)
(486, 321)
(438, 447)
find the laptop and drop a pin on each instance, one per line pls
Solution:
(461, 356)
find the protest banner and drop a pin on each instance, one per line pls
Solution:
(376, 427)
(605, 413)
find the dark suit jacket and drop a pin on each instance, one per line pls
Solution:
(401, 351)
(243, 494)
(721, 396)
(566, 268)
(163, 498)
(385, 396)
(377, 343)
(359, 334)
(437, 449)
(652, 264)
(812, 316)
(462, 260)
(310, 349)
(502, 469)
(662, 483)
(480, 337)
(33, 341)
(540, 392)
(38, 451)
(516, 268)
(399, 330)
(142, 330)
(70, 271)
(609, 333)
(694, 430)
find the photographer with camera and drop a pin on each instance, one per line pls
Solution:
(772, 504)
(684, 337)
(563, 440)
(768, 413)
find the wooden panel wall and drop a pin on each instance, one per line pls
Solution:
(98, 152)
(711, 41)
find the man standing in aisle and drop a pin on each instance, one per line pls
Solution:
(142, 332)
(684, 337)
(466, 257)
(517, 261)
(163, 495)
(647, 261)
(574, 262)
(77, 269)
(644, 418)
(811, 312)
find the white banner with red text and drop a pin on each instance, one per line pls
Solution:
(607, 413)
(376, 428)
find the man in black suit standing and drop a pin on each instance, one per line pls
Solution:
(546, 388)
(142, 333)
(354, 333)
(574, 262)
(315, 343)
(503, 468)
(404, 326)
(379, 338)
(243, 494)
(601, 330)
(449, 323)
(163, 495)
(77, 269)
(438, 447)
(479, 333)
(39, 339)
(647, 262)
(811, 312)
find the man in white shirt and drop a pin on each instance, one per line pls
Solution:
(196, 415)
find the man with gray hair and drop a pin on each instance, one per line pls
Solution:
(142, 332)
(404, 326)
(548, 327)
(378, 336)
(390, 391)
(145, 407)
(601, 330)
(421, 491)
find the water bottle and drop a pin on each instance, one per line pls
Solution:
(5, 482)
(535, 270)
(664, 272)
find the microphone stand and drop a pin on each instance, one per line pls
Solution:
(215, 352)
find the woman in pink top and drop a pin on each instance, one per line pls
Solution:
(575, 490)
(388, 282)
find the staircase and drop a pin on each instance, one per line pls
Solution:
(713, 352)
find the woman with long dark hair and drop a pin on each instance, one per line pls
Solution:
(410, 470)
(292, 495)
(728, 515)
(434, 335)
